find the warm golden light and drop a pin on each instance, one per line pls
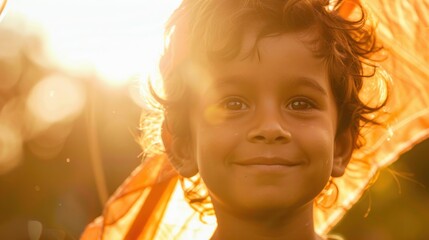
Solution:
(178, 211)
(113, 39)
(56, 98)
(3, 5)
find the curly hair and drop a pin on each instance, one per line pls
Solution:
(213, 30)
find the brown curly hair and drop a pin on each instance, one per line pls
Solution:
(212, 29)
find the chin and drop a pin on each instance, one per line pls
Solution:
(274, 205)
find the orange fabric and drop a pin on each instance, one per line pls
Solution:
(157, 177)
(148, 219)
(403, 27)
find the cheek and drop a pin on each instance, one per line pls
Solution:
(317, 143)
(214, 144)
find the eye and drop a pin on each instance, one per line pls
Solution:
(301, 104)
(234, 104)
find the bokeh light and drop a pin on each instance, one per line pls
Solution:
(10, 69)
(10, 147)
(56, 98)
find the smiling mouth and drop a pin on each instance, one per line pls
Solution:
(268, 161)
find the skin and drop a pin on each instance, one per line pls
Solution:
(264, 139)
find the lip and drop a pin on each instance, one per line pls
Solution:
(268, 161)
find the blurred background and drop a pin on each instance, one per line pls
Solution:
(70, 81)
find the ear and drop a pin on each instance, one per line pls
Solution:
(343, 149)
(179, 153)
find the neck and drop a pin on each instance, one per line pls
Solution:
(268, 226)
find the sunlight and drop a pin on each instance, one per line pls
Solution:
(3, 5)
(113, 39)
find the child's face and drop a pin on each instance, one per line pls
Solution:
(263, 129)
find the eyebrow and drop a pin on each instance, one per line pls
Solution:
(231, 80)
(307, 82)
(293, 82)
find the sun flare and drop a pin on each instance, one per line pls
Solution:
(113, 39)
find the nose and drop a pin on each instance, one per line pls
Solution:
(269, 131)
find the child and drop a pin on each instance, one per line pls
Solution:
(263, 108)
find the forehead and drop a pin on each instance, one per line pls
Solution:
(285, 55)
(259, 36)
